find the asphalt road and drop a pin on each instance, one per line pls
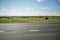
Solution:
(30, 31)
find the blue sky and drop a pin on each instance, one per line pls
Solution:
(29, 7)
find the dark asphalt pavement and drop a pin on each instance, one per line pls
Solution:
(30, 31)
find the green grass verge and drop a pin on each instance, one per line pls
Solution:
(28, 19)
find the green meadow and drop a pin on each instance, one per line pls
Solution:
(18, 19)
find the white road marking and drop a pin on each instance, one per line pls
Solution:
(33, 30)
(1, 31)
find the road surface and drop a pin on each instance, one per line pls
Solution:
(30, 31)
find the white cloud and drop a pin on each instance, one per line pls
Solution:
(19, 13)
(15, 12)
(28, 8)
(40, 0)
(45, 8)
(3, 9)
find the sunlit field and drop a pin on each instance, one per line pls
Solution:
(14, 19)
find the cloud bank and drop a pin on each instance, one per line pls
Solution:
(28, 12)
(40, 0)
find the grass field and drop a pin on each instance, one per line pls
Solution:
(14, 19)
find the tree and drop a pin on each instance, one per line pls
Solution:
(46, 18)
